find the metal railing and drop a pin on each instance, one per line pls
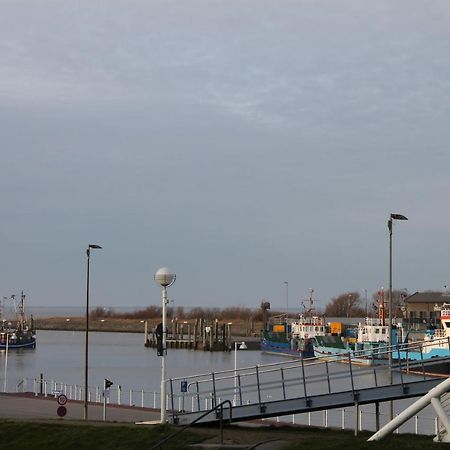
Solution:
(216, 408)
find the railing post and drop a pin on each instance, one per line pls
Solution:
(421, 359)
(214, 390)
(142, 398)
(221, 424)
(198, 396)
(240, 388)
(282, 383)
(261, 408)
(304, 382)
(351, 373)
(328, 377)
(171, 397)
(377, 416)
(400, 368)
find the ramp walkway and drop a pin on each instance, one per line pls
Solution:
(290, 387)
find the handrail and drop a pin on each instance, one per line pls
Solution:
(318, 360)
(219, 406)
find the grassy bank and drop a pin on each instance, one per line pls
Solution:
(111, 324)
(77, 436)
(63, 436)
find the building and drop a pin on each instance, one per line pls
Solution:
(425, 307)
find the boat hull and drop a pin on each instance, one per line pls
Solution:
(284, 348)
(342, 355)
(12, 345)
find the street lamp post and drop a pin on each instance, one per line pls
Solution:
(86, 347)
(287, 308)
(390, 222)
(165, 278)
(242, 346)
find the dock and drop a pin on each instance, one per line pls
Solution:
(200, 334)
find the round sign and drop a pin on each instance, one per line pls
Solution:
(61, 411)
(62, 399)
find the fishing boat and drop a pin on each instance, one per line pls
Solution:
(19, 333)
(292, 337)
(435, 343)
(368, 344)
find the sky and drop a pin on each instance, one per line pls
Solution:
(242, 144)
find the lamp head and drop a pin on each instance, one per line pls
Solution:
(398, 217)
(164, 277)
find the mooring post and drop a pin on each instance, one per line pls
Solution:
(377, 415)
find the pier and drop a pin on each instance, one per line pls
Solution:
(201, 334)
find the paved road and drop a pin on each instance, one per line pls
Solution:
(24, 406)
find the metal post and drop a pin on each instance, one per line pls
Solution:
(287, 307)
(328, 377)
(86, 341)
(304, 380)
(391, 407)
(259, 388)
(163, 356)
(6, 362)
(235, 373)
(283, 385)
(104, 400)
(240, 389)
(198, 396)
(377, 416)
(214, 390)
(172, 396)
(351, 373)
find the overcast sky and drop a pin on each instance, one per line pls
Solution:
(240, 143)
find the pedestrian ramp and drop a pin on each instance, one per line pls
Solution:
(284, 388)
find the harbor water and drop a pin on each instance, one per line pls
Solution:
(123, 359)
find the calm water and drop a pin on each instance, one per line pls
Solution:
(122, 358)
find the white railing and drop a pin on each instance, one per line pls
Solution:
(343, 418)
(118, 395)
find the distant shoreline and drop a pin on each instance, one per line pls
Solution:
(119, 325)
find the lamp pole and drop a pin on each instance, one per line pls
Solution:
(390, 222)
(287, 307)
(86, 342)
(242, 346)
(165, 278)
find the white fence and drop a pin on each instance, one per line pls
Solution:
(344, 418)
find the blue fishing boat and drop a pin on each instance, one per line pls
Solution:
(292, 337)
(19, 333)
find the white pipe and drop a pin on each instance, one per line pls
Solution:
(435, 402)
(409, 412)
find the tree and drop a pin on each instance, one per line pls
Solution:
(347, 304)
